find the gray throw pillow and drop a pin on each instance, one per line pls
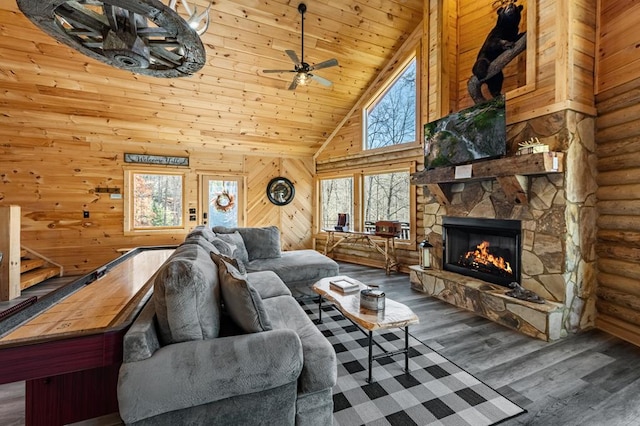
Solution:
(261, 243)
(202, 231)
(186, 295)
(236, 263)
(235, 248)
(242, 302)
(202, 242)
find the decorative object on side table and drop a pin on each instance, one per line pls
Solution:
(344, 285)
(343, 222)
(372, 299)
(425, 254)
(280, 191)
(388, 228)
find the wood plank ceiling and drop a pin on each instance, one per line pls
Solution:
(230, 104)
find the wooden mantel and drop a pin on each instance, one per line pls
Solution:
(511, 172)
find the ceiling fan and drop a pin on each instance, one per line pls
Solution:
(302, 69)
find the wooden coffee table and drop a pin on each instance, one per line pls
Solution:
(395, 315)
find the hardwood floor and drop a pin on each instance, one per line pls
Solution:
(587, 379)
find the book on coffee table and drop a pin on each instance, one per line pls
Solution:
(344, 285)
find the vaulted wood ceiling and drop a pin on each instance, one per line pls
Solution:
(230, 104)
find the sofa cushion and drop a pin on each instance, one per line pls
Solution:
(319, 370)
(203, 231)
(234, 246)
(268, 284)
(297, 267)
(241, 300)
(201, 241)
(187, 296)
(261, 243)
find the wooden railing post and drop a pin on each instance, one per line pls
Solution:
(10, 248)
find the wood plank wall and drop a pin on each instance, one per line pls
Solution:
(66, 120)
(53, 179)
(618, 142)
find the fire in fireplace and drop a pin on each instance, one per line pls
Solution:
(487, 249)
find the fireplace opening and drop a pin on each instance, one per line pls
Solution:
(487, 249)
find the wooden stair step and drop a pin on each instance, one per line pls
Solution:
(23, 253)
(30, 264)
(37, 276)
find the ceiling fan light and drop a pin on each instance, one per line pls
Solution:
(302, 79)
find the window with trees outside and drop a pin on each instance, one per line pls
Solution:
(391, 119)
(154, 200)
(336, 197)
(387, 197)
(384, 196)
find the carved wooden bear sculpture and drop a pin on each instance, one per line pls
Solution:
(501, 38)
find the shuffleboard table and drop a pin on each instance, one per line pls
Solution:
(68, 345)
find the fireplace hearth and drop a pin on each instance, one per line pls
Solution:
(486, 249)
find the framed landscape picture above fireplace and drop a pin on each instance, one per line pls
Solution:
(475, 133)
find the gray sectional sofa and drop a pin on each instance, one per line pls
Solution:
(218, 345)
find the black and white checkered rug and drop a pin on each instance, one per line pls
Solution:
(435, 392)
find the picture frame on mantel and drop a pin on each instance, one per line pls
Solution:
(158, 160)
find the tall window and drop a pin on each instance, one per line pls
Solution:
(154, 200)
(387, 197)
(336, 196)
(391, 118)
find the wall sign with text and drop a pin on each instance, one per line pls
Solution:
(156, 159)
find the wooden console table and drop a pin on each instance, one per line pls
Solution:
(386, 246)
(68, 345)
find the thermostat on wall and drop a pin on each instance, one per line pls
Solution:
(115, 196)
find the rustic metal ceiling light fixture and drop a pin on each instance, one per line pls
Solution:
(142, 36)
(304, 71)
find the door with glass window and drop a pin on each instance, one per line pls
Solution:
(222, 200)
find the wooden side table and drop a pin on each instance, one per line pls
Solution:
(384, 245)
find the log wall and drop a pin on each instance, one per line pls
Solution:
(618, 148)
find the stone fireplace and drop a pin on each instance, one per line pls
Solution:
(556, 212)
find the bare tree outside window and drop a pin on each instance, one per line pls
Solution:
(386, 197)
(336, 197)
(391, 120)
(157, 200)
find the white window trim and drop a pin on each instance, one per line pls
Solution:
(378, 95)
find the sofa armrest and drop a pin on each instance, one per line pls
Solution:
(193, 373)
(141, 340)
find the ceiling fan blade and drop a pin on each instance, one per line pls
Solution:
(325, 64)
(294, 83)
(277, 71)
(321, 80)
(293, 57)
